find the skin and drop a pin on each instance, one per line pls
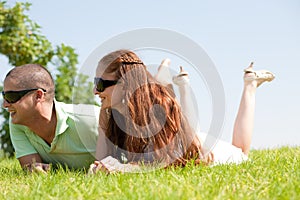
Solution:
(111, 97)
(33, 111)
(19, 110)
(243, 127)
(244, 122)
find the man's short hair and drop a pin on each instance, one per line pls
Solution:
(33, 76)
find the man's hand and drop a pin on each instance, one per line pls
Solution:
(38, 167)
(33, 163)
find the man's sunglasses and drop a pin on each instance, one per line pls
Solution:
(102, 84)
(14, 96)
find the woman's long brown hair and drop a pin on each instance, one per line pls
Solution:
(153, 128)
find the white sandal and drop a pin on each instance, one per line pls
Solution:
(182, 78)
(163, 74)
(260, 76)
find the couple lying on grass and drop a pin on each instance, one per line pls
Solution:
(141, 123)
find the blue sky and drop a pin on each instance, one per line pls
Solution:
(233, 33)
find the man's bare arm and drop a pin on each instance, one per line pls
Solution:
(33, 163)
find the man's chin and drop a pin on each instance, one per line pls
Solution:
(13, 118)
(14, 121)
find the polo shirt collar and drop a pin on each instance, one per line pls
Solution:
(62, 117)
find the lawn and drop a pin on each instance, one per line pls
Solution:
(269, 174)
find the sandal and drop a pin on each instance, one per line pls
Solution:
(182, 78)
(163, 74)
(260, 76)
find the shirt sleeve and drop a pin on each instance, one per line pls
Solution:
(20, 141)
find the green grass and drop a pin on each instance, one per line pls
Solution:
(270, 174)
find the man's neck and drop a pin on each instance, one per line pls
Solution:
(45, 125)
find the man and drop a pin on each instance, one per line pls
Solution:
(44, 131)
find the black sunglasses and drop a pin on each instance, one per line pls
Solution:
(102, 84)
(14, 96)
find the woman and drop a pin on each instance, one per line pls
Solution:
(141, 121)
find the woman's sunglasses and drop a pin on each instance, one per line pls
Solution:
(14, 96)
(101, 84)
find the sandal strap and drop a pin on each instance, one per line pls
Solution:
(249, 71)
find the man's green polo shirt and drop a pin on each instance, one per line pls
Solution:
(75, 138)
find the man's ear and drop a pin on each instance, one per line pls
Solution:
(40, 95)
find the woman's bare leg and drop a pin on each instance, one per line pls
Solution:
(243, 127)
(186, 99)
(182, 81)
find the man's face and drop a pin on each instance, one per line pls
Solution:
(21, 112)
